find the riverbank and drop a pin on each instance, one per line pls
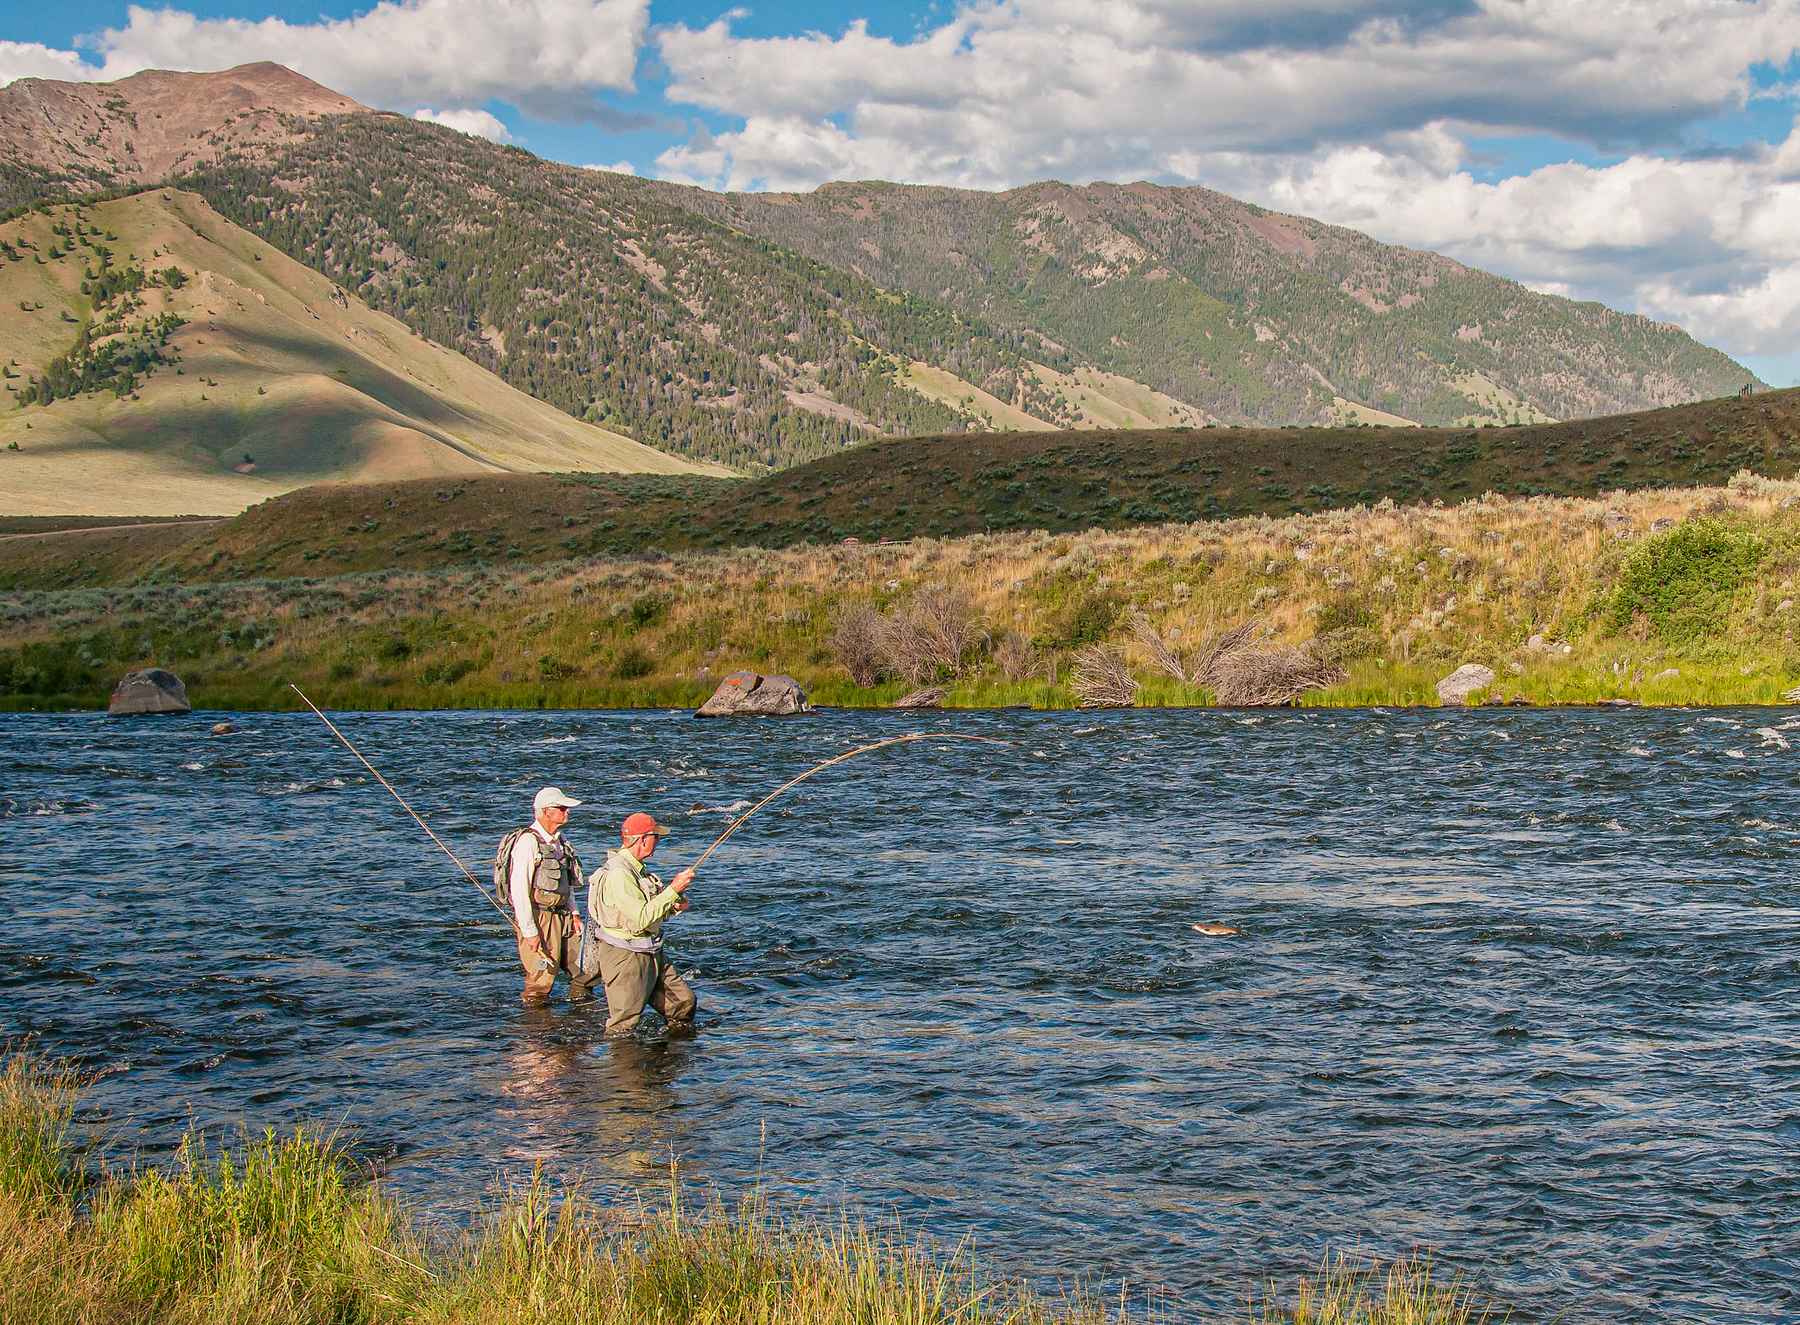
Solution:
(1669, 597)
(288, 1229)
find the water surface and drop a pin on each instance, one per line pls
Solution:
(1523, 987)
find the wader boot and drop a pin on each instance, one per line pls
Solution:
(636, 980)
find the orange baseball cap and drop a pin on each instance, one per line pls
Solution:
(641, 825)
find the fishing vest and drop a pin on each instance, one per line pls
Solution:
(553, 877)
(611, 918)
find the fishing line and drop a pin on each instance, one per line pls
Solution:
(455, 859)
(717, 842)
(739, 822)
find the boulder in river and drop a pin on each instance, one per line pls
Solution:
(1465, 681)
(222, 729)
(744, 694)
(151, 690)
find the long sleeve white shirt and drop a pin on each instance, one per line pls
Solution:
(524, 862)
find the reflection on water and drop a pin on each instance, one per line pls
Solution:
(1524, 987)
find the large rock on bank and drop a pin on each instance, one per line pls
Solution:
(1464, 682)
(750, 694)
(150, 691)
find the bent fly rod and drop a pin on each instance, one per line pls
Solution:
(717, 842)
(376, 774)
(739, 822)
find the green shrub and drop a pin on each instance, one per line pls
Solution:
(1343, 614)
(447, 673)
(632, 663)
(552, 668)
(1089, 619)
(1683, 581)
(393, 648)
(1346, 644)
(647, 610)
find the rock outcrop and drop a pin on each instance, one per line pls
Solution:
(929, 698)
(152, 690)
(1465, 681)
(750, 694)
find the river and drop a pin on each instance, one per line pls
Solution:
(1519, 986)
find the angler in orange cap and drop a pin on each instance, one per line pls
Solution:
(627, 906)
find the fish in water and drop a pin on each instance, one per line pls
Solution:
(1214, 929)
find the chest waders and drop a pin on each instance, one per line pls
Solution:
(606, 917)
(553, 877)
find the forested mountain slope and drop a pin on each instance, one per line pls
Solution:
(590, 291)
(159, 360)
(1254, 316)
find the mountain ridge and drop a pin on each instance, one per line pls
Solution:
(150, 125)
(1304, 306)
(764, 329)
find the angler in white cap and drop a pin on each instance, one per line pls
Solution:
(535, 873)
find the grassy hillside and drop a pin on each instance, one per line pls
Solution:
(190, 367)
(1686, 595)
(1249, 315)
(938, 486)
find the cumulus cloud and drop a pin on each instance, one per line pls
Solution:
(1009, 90)
(554, 54)
(477, 122)
(616, 168)
(27, 59)
(1362, 112)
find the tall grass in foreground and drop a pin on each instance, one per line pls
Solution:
(286, 1231)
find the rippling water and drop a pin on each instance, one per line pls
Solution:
(1520, 986)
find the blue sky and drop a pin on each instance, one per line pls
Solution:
(1640, 152)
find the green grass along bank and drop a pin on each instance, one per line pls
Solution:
(290, 1230)
(924, 487)
(1676, 596)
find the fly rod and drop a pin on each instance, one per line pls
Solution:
(376, 774)
(739, 822)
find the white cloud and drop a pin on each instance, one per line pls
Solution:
(616, 168)
(551, 54)
(477, 122)
(27, 59)
(1008, 91)
(1361, 112)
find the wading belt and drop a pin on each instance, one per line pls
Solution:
(647, 944)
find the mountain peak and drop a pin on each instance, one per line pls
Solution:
(144, 127)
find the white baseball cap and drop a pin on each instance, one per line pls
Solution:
(552, 796)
